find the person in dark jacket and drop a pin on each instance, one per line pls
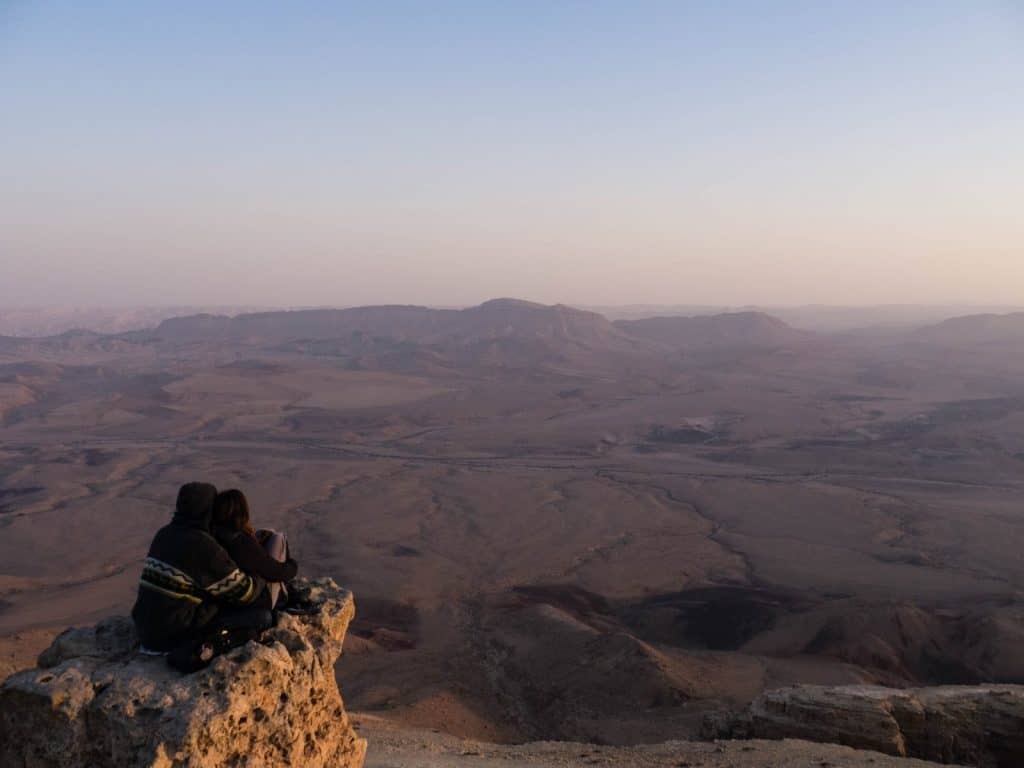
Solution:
(260, 553)
(189, 582)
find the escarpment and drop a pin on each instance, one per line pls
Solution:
(980, 725)
(94, 701)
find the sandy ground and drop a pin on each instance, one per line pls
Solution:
(399, 748)
(19, 651)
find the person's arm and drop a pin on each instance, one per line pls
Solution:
(252, 558)
(228, 583)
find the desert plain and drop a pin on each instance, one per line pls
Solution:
(556, 525)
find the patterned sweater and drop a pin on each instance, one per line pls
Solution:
(186, 579)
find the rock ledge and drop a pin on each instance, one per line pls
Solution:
(978, 725)
(95, 702)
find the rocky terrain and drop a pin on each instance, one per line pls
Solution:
(94, 701)
(392, 747)
(974, 725)
(539, 509)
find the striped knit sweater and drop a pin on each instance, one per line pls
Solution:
(236, 587)
(186, 579)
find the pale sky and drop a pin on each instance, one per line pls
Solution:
(442, 152)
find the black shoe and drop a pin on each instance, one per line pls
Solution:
(301, 608)
(296, 590)
(194, 656)
(191, 657)
(226, 639)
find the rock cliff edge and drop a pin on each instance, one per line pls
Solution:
(981, 725)
(95, 702)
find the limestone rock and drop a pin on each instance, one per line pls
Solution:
(977, 725)
(114, 637)
(95, 702)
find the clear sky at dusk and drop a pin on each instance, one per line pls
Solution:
(446, 152)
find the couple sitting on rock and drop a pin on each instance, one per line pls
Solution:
(210, 580)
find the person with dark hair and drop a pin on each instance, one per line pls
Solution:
(260, 553)
(190, 587)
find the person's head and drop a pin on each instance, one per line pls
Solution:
(231, 510)
(195, 504)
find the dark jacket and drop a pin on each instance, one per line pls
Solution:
(251, 557)
(187, 576)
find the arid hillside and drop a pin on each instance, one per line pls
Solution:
(726, 331)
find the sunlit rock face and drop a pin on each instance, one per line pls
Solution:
(95, 702)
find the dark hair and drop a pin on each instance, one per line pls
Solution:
(195, 504)
(231, 510)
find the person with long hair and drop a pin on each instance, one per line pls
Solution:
(263, 553)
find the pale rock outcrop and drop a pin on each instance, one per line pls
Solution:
(95, 702)
(976, 725)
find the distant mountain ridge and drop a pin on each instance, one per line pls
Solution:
(500, 333)
(975, 329)
(822, 318)
(307, 324)
(40, 322)
(734, 329)
(492, 319)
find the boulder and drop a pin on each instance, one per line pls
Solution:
(94, 701)
(977, 725)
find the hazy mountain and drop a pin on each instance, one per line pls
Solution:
(50, 321)
(737, 329)
(498, 333)
(399, 322)
(976, 329)
(67, 342)
(503, 317)
(823, 318)
(492, 319)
